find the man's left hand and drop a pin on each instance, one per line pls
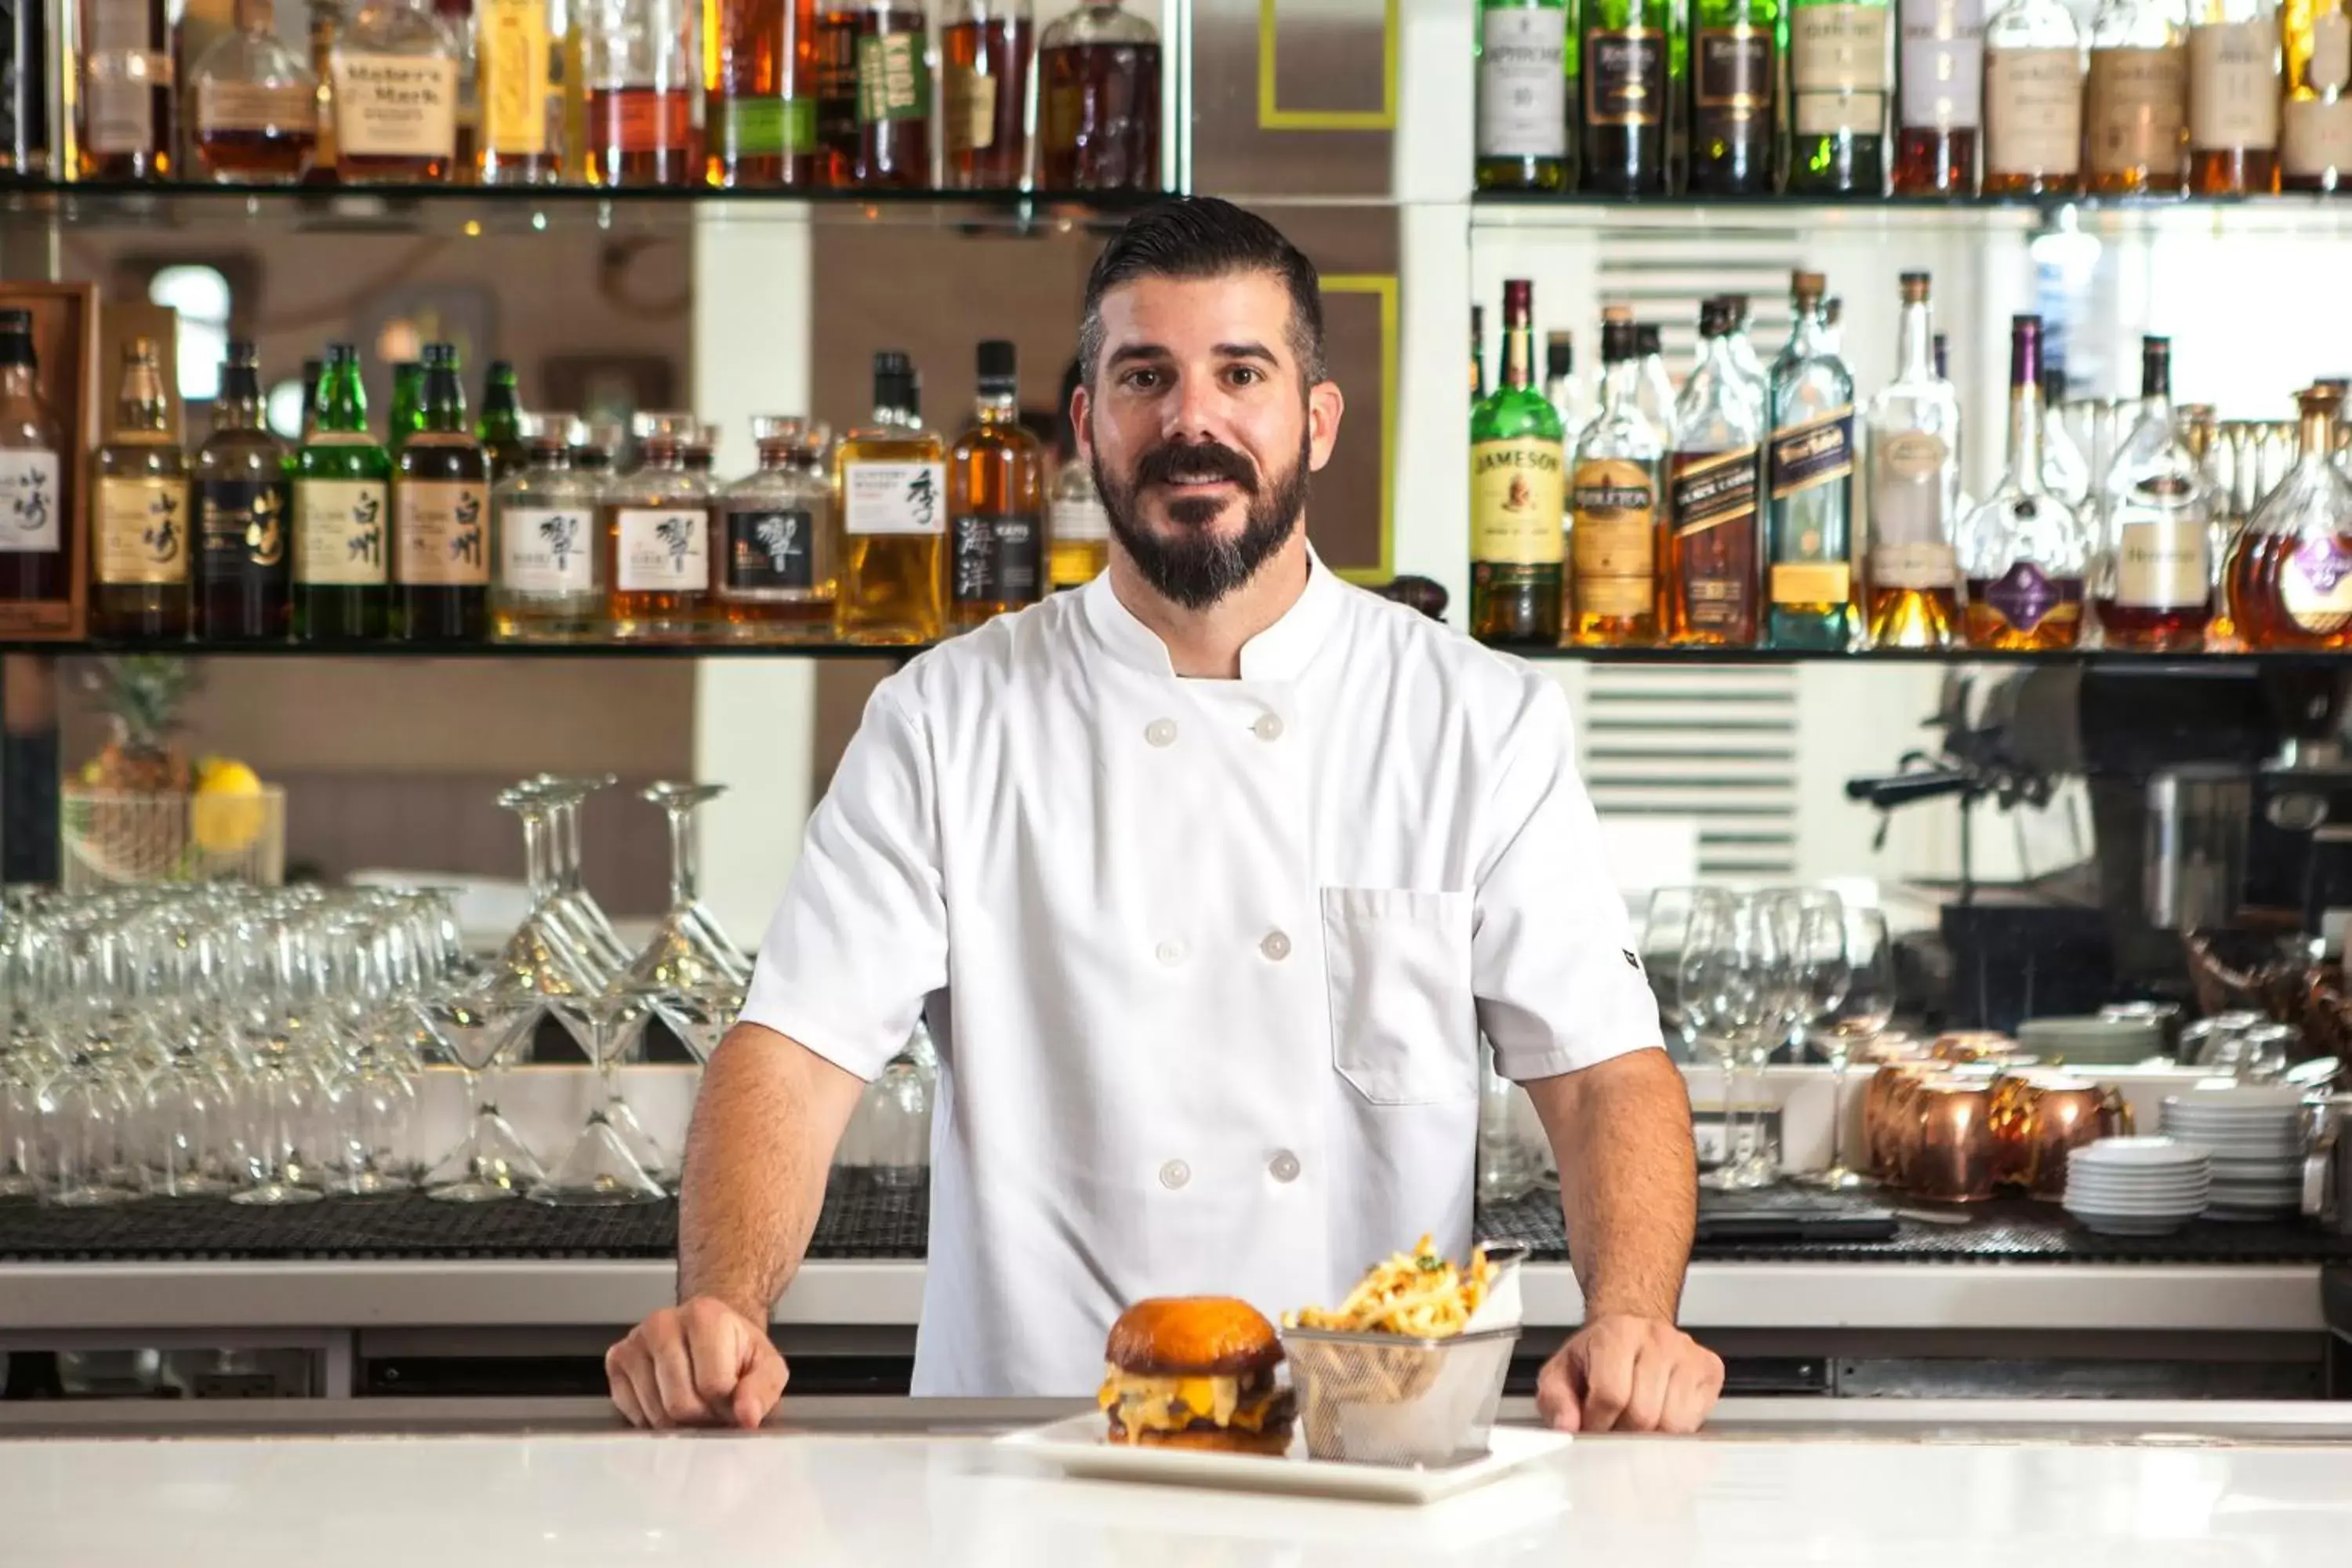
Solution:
(1627, 1373)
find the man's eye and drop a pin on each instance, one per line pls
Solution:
(1245, 375)
(1142, 380)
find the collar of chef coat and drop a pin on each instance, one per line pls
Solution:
(1280, 652)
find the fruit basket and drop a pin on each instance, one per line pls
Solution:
(114, 840)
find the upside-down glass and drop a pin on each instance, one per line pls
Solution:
(1865, 1004)
(370, 1104)
(602, 1168)
(688, 950)
(568, 893)
(189, 1115)
(283, 1115)
(477, 1031)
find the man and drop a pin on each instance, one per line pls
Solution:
(1210, 875)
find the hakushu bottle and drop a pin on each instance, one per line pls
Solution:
(1914, 434)
(891, 475)
(406, 415)
(1939, 96)
(1733, 65)
(547, 577)
(2136, 114)
(243, 568)
(986, 47)
(1838, 89)
(656, 536)
(441, 516)
(1615, 512)
(775, 541)
(1517, 495)
(2233, 97)
(996, 501)
(2033, 100)
(343, 514)
(1810, 583)
(1712, 571)
(1626, 61)
(139, 567)
(2023, 549)
(1523, 95)
(2315, 121)
(2153, 583)
(2290, 574)
(394, 81)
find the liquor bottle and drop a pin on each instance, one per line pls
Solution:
(1811, 463)
(1753, 376)
(124, 118)
(342, 502)
(1733, 70)
(243, 565)
(702, 451)
(1712, 568)
(1625, 58)
(834, 73)
(1517, 495)
(547, 582)
(499, 429)
(254, 104)
(2065, 472)
(996, 501)
(2233, 97)
(24, 89)
(1657, 388)
(457, 15)
(892, 476)
(775, 541)
(1477, 353)
(518, 91)
(1939, 98)
(1077, 529)
(36, 545)
(2290, 574)
(1098, 104)
(139, 566)
(1613, 496)
(407, 415)
(2315, 121)
(441, 516)
(2136, 118)
(656, 536)
(394, 71)
(1562, 389)
(2022, 551)
(313, 371)
(985, 47)
(2153, 583)
(893, 96)
(1838, 85)
(1522, 95)
(2033, 100)
(1914, 428)
(641, 64)
(758, 87)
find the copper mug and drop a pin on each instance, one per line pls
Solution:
(1947, 1151)
(1891, 1087)
(2041, 1116)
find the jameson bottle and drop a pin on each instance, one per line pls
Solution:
(1517, 499)
(343, 514)
(1811, 579)
(1711, 588)
(2022, 551)
(1838, 89)
(1523, 95)
(1733, 68)
(244, 559)
(139, 567)
(1939, 96)
(1626, 62)
(441, 517)
(1615, 512)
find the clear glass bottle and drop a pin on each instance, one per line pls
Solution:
(1098, 102)
(2022, 551)
(393, 66)
(656, 536)
(1615, 515)
(2233, 96)
(518, 91)
(1811, 584)
(139, 479)
(254, 104)
(2135, 103)
(760, 63)
(641, 64)
(2152, 582)
(36, 524)
(1742, 350)
(996, 501)
(2033, 100)
(986, 51)
(1077, 529)
(1657, 388)
(1713, 573)
(2315, 121)
(1517, 495)
(1939, 96)
(547, 582)
(2290, 574)
(243, 568)
(892, 477)
(2065, 471)
(1914, 432)
(1562, 389)
(776, 543)
(125, 111)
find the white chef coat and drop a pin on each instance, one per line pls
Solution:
(1206, 960)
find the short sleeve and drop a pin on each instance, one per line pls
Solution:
(1552, 952)
(861, 937)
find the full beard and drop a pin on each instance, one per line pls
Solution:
(1194, 567)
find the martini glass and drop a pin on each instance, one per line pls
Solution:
(604, 1166)
(688, 951)
(543, 956)
(700, 1018)
(492, 1163)
(582, 915)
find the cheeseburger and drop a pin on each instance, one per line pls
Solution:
(1196, 1371)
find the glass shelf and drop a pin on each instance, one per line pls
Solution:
(2296, 213)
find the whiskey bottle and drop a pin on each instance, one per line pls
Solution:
(1811, 465)
(1077, 529)
(2290, 574)
(1562, 388)
(2233, 97)
(892, 476)
(342, 505)
(441, 512)
(641, 64)
(313, 371)
(985, 49)
(2135, 121)
(834, 71)
(124, 119)
(407, 415)
(1614, 510)
(547, 581)
(1517, 495)
(894, 96)
(1838, 85)
(2315, 121)
(24, 90)
(1753, 376)
(1657, 388)
(138, 569)
(2023, 551)
(519, 92)
(2033, 100)
(36, 542)
(1733, 68)
(776, 543)
(254, 104)
(760, 61)
(2153, 581)
(243, 565)
(500, 429)
(1098, 102)
(996, 501)
(1939, 96)
(657, 533)
(1914, 428)
(1712, 568)
(1522, 95)
(1625, 60)
(393, 66)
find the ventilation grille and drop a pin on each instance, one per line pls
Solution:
(1714, 744)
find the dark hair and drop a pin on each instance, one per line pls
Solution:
(1202, 237)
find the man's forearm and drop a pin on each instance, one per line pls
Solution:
(1628, 1179)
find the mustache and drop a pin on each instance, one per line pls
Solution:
(1181, 463)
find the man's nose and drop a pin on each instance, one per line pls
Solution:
(1195, 413)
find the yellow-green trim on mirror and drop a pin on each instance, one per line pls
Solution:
(1272, 116)
(1382, 285)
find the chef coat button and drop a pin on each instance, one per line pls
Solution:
(1268, 728)
(1174, 1174)
(1171, 952)
(1274, 945)
(1160, 731)
(1283, 1166)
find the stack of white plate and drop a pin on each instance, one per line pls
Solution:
(2137, 1186)
(2255, 1135)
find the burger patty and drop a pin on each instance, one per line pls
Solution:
(1140, 1403)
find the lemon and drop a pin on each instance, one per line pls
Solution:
(228, 813)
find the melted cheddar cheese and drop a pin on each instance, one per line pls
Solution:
(1172, 1404)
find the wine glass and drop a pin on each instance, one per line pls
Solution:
(1663, 926)
(372, 1109)
(601, 1169)
(282, 1100)
(1865, 1001)
(491, 1163)
(1717, 991)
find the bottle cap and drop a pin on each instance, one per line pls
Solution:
(1915, 288)
(440, 356)
(1619, 341)
(2320, 399)
(1646, 337)
(1617, 313)
(1737, 306)
(1559, 354)
(339, 353)
(500, 369)
(16, 321)
(998, 362)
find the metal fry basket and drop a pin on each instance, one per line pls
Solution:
(1382, 1399)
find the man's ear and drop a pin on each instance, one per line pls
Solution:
(1078, 406)
(1325, 403)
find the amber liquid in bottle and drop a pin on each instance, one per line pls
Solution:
(2260, 619)
(834, 68)
(983, 102)
(2233, 171)
(767, 50)
(997, 513)
(1931, 162)
(640, 136)
(894, 147)
(1989, 628)
(1099, 114)
(893, 585)
(150, 162)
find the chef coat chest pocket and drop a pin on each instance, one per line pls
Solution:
(1403, 1023)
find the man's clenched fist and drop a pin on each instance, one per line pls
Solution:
(702, 1364)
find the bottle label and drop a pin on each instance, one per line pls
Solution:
(1712, 490)
(395, 106)
(894, 498)
(1613, 544)
(241, 530)
(1079, 522)
(2315, 137)
(1814, 453)
(2025, 598)
(894, 78)
(2316, 588)
(768, 548)
(1523, 84)
(646, 119)
(1625, 77)
(2233, 85)
(1920, 568)
(1518, 502)
(1837, 68)
(442, 524)
(226, 106)
(1732, 79)
(1713, 499)
(663, 551)
(339, 538)
(1943, 65)
(2139, 108)
(2033, 120)
(995, 560)
(143, 530)
(511, 37)
(546, 549)
(122, 65)
(967, 109)
(28, 482)
(766, 127)
(2164, 563)
(1910, 527)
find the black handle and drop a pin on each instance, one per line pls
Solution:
(1907, 789)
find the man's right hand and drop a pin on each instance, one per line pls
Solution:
(701, 1365)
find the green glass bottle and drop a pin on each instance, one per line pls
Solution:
(342, 506)
(1839, 82)
(407, 403)
(1523, 133)
(1735, 68)
(441, 516)
(1518, 494)
(499, 429)
(1627, 54)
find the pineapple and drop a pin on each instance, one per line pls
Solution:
(141, 694)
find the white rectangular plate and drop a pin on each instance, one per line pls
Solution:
(1077, 1447)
